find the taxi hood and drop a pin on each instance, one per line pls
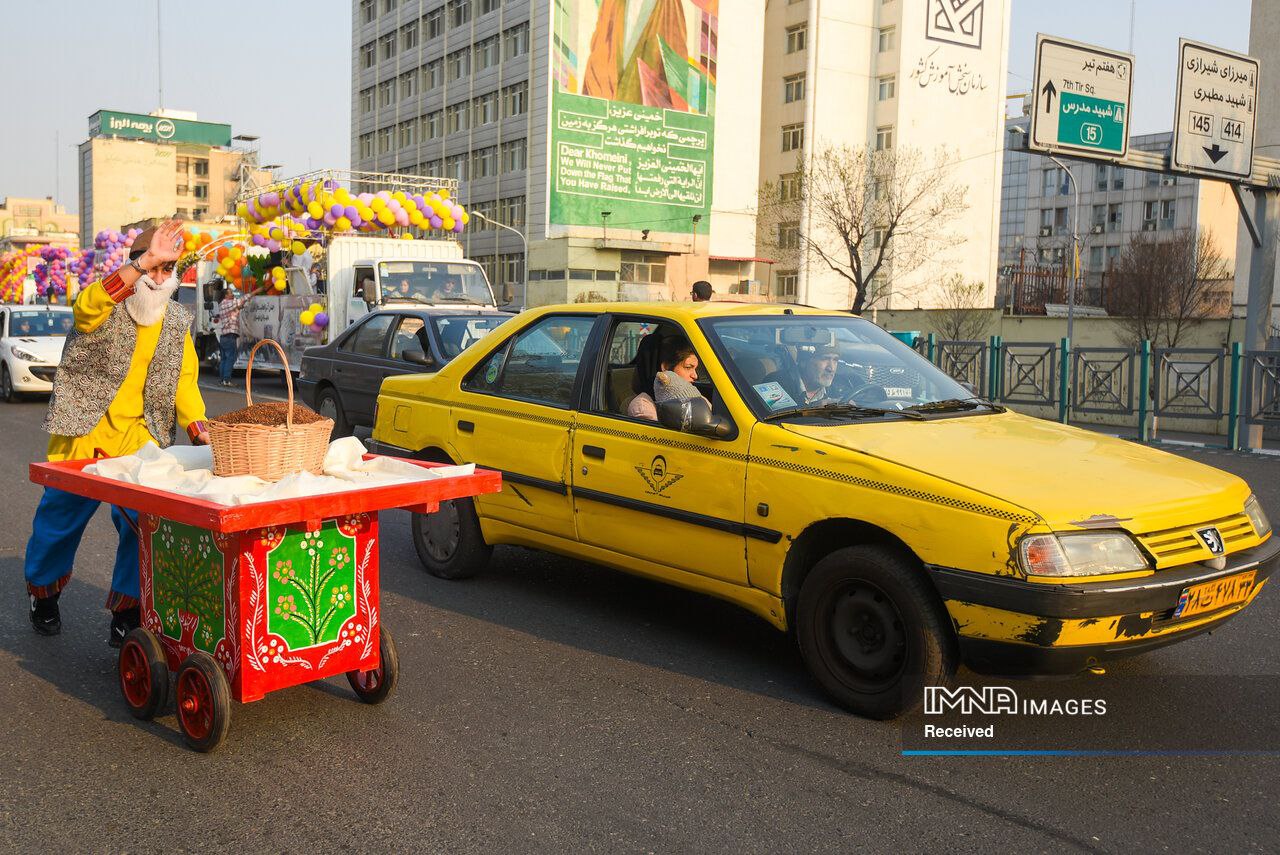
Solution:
(1059, 473)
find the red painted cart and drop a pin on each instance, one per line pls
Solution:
(243, 600)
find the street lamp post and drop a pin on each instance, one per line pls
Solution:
(524, 294)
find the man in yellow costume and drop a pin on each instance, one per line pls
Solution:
(128, 371)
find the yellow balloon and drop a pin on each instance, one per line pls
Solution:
(280, 284)
(399, 196)
(342, 224)
(444, 194)
(343, 195)
(448, 224)
(386, 217)
(466, 218)
(406, 236)
(308, 318)
(378, 203)
(315, 307)
(315, 210)
(416, 218)
(298, 247)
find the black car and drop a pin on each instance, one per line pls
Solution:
(341, 379)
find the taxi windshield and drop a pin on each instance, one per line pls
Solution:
(833, 367)
(434, 282)
(29, 323)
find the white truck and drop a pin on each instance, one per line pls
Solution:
(358, 274)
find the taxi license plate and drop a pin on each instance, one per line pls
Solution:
(1218, 594)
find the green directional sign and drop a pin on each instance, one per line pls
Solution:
(1092, 122)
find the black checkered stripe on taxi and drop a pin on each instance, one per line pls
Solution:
(667, 442)
(959, 504)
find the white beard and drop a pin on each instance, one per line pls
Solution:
(148, 301)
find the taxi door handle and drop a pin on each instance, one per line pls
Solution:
(466, 427)
(593, 451)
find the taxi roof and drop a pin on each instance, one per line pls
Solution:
(688, 310)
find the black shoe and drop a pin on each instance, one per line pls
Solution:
(122, 623)
(45, 616)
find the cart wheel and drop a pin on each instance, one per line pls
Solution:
(144, 674)
(204, 702)
(374, 687)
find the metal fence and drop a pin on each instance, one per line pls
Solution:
(1199, 384)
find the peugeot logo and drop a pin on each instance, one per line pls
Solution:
(1212, 539)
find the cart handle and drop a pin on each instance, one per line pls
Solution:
(288, 378)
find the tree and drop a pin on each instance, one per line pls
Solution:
(962, 314)
(1160, 287)
(863, 212)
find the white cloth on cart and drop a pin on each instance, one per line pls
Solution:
(188, 471)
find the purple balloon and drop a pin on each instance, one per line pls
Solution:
(330, 219)
(457, 227)
(321, 320)
(337, 210)
(273, 245)
(351, 213)
(436, 222)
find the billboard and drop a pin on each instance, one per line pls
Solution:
(632, 112)
(110, 123)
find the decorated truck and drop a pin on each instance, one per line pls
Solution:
(305, 278)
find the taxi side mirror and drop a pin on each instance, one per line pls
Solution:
(692, 416)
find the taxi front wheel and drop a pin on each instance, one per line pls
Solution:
(449, 542)
(872, 631)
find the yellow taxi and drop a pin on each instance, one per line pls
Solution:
(827, 478)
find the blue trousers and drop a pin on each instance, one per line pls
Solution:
(228, 349)
(55, 536)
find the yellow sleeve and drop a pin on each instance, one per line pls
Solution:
(190, 403)
(93, 304)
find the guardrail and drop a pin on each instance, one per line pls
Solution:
(1194, 383)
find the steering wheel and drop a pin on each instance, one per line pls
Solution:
(866, 394)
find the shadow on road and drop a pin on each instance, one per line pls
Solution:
(614, 614)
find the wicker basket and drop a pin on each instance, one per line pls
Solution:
(269, 452)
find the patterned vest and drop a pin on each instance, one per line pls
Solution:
(94, 367)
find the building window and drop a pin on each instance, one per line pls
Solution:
(183, 190)
(1059, 221)
(884, 138)
(432, 74)
(789, 235)
(788, 283)
(1099, 218)
(457, 117)
(366, 145)
(455, 166)
(459, 12)
(793, 88)
(409, 36)
(646, 267)
(888, 39)
(1114, 218)
(407, 134)
(797, 38)
(789, 187)
(486, 53)
(366, 100)
(1113, 255)
(514, 155)
(1095, 258)
(511, 211)
(484, 162)
(388, 6)
(433, 23)
(432, 124)
(888, 87)
(511, 268)
(459, 63)
(1046, 222)
(1168, 212)
(1102, 177)
(368, 11)
(484, 110)
(368, 55)
(1149, 210)
(409, 84)
(481, 212)
(384, 140)
(487, 6)
(386, 93)
(387, 47)
(1117, 178)
(515, 100)
(792, 137)
(1051, 181)
(202, 167)
(515, 41)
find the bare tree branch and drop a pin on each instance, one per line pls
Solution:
(1159, 288)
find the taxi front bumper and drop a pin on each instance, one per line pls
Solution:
(1011, 626)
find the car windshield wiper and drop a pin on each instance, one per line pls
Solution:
(470, 300)
(841, 410)
(414, 297)
(952, 404)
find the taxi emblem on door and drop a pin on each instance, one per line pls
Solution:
(658, 476)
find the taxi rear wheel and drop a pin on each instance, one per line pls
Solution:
(873, 632)
(449, 542)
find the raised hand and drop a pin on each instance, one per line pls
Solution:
(166, 245)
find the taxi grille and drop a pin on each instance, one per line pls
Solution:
(1182, 545)
(45, 372)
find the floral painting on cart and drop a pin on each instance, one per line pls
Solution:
(187, 594)
(311, 586)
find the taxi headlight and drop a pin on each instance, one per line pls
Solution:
(1253, 509)
(1087, 554)
(24, 355)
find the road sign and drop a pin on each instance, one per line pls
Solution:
(1216, 119)
(1082, 98)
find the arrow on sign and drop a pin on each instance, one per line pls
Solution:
(1049, 91)
(1216, 153)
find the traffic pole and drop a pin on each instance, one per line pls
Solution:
(1233, 416)
(1064, 381)
(1144, 387)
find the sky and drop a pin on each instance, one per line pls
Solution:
(281, 69)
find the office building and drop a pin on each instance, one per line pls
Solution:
(36, 222)
(1115, 205)
(135, 167)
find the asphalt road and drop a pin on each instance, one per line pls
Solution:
(550, 705)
